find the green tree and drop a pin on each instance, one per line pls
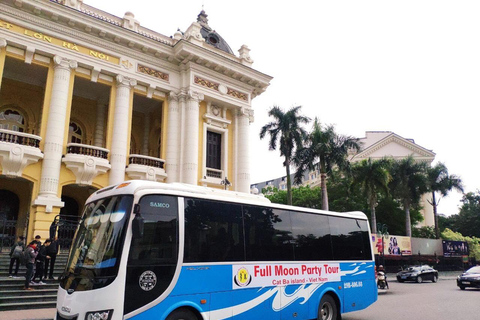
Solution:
(468, 219)
(343, 196)
(427, 232)
(323, 150)
(473, 242)
(303, 196)
(439, 181)
(286, 130)
(373, 177)
(409, 183)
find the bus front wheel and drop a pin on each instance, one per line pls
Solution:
(327, 309)
(182, 314)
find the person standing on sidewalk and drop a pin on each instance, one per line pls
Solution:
(30, 255)
(52, 251)
(40, 262)
(16, 254)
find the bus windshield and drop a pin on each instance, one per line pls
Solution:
(96, 251)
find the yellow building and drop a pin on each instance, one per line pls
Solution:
(88, 99)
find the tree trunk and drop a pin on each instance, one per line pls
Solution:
(323, 183)
(435, 216)
(373, 218)
(408, 223)
(289, 183)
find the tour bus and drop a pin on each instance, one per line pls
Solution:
(148, 250)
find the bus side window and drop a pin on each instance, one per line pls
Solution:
(213, 231)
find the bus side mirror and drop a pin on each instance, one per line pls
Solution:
(137, 226)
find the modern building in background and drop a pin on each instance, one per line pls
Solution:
(88, 99)
(375, 145)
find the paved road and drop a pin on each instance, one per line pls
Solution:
(425, 301)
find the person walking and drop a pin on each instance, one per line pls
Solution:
(40, 262)
(16, 254)
(52, 251)
(30, 255)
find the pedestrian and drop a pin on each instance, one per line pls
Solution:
(38, 241)
(52, 251)
(30, 255)
(40, 262)
(16, 254)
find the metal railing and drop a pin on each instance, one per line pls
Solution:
(8, 234)
(87, 150)
(64, 227)
(21, 138)
(146, 161)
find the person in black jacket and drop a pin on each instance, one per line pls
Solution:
(52, 251)
(16, 254)
(40, 262)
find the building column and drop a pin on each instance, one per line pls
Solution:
(242, 182)
(173, 138)
(53, 147)
(121, 124)
(190, 139)
(3, 51)
(100, 125)
(146, 134)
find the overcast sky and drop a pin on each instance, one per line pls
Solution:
(410, 67)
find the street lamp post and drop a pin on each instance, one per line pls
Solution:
(382, 232)
(226, 183)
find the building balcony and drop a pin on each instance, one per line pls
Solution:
(146, 168)
(18, 150)
(86, 162)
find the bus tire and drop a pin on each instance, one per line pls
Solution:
(182, 314)
(327, 310)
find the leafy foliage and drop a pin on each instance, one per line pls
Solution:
(473, 242)
(424, 232)
(286, 130)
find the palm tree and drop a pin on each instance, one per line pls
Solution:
(409, 183)
(324, 150)
(440, 181)
(373, 177)
(287, 130)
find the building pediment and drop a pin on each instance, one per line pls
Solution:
(394, 146)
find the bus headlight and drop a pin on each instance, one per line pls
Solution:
(99, 315)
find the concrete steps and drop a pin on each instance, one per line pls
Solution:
(12, 295)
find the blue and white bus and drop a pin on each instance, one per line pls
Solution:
(147, 250)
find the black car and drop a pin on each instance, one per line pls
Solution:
(470, 278)
(418, 274)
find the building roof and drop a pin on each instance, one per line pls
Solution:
(210, 35)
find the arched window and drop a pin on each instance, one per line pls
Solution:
(75, 133)
(12, 119)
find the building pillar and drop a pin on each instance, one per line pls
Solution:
(53, 147)
(121, 125)
(242, 182)
(100, 125)
(146, 134)
(190, 139)
(3, 51)
(173, 138)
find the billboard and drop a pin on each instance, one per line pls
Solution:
(454, 248)
(392, 245)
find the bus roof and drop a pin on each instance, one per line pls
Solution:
(134, 186)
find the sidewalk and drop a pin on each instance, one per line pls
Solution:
(33, 314)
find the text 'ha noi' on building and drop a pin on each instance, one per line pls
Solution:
(88, 99)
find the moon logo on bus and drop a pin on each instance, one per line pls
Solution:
(147, 280)
(242, 278)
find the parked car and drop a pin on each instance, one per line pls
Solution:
(470, 278)
(418, 274)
